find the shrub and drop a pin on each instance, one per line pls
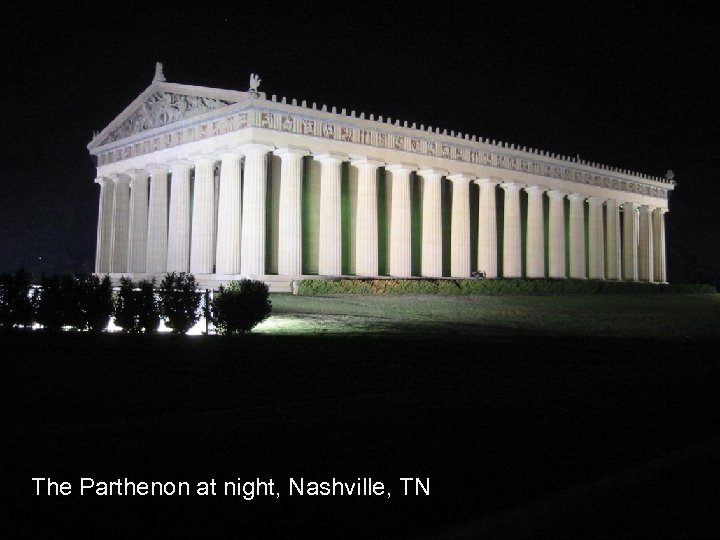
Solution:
(136, 306)
(48, 300)
(148, 307)
(491, 286)
(125, 313)
(94, 302)
(16, 308)
(179, 301)
(240, 306)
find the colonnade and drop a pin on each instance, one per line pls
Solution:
(208, 215)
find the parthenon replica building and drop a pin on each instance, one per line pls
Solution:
(227, 184)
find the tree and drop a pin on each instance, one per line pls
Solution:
(48, 300)
(16, 307)
(179, 301)
(240, 306)
(125, 308)
(95, 302)
(136, 306)
(148, 307)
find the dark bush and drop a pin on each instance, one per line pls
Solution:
(148, 306)
(94, 301)
(136, 306)
(49, 305)
(240, 306)
(16, 308)
(179, 301)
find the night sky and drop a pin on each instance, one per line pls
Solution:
(627, 86)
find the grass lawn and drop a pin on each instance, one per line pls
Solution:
(629, 316)
(559, 417)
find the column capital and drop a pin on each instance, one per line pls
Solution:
(203, 158)
(256, 148)
(409, 167)
(138, 173)
(557, 194)
(612, 202)
(660, 210)
(512, 186)
(488, 180)
(120, 178)
(154, 167)
(227, 151)
(461, 177)
(535, 189)
(180, 163)
(427, 173)
(103, 180)
(331, 157)
(361, 161)
(291, 151)
(576, 197)
(596, 200)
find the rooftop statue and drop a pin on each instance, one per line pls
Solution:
(254, 83)
(670, 176)
(159, 72)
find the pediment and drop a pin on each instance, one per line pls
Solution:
(162, 104)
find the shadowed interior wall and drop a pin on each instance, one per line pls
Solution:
(446, 194)
(348, 193)
(272, 202)
(474, 208)
(311, 215)
(416, 193)
(384, 198)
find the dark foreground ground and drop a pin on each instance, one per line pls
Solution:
(521, 437)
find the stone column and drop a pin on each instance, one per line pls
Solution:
(400, 221)
(202, 243)
(645, 249)
(659, 265)
(596, 239)
(121, 223)
(103, 250)
(290, 211)
(179, 227)
(460, 226)
(157, 221)
(431, 259)
(487, 227)
(577, 236)
(366, 232)
(556, 235)
(330, 241)
(252, 258)
(630, 247)
(613, 239)
(535, 244)
(512, 239)
(138, 221)
(227, 257)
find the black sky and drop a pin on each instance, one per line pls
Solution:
(628, 85)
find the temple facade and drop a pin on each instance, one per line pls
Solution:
(227, 184)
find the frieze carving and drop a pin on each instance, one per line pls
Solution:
(163, 109)
(166, 108)
(328, 130)
(266, 120)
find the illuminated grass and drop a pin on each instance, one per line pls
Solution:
(636, 316)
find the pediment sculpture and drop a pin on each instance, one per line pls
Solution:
(164, 108)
